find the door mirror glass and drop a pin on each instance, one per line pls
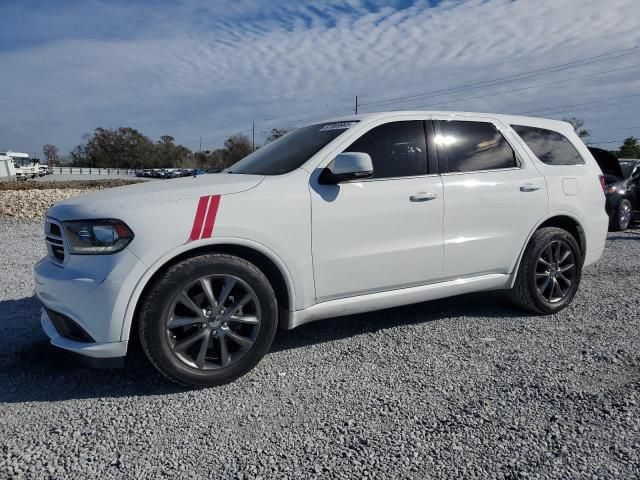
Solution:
(347, 166)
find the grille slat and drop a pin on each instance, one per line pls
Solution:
(55, 242)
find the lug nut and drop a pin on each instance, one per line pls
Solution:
(214, 333)
(225, 324)
(203, 325)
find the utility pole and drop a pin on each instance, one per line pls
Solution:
(253, 136)
(356, 104)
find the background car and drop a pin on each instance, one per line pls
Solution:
(622, 188)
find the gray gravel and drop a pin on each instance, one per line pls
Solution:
(461, 388)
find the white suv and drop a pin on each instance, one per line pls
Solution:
(340, 217)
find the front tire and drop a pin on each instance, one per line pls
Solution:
(621, 217)
(549, 273)
(208, 320)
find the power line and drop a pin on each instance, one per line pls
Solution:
(616, 129)
(565, 80)
(559, 107)
(608, 141)
(528, 87)
(510, 78)
(471, 86)
(583, 109)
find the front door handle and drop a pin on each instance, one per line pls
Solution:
(529, 187)
(423, 197)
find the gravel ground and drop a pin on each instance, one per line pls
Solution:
(461, 388)
(31, 200)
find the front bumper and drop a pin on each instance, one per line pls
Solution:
(93, 292)
(98, 355)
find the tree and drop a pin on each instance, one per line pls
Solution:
(126, 147)
(630, 148)
(167, 154)
(577, 125)
(276, 133)
(236, 147)
(122, 147)
(50, 153)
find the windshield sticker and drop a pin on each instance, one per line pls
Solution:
(337, 126)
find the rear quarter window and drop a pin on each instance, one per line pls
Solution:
(550, 147)
(470, 146)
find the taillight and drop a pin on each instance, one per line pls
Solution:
(602, 184)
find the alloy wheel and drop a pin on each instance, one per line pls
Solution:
(555, 271)
(625, 215)
(213, 322)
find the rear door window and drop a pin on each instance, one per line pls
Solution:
(467, 146)
(397, 149)
(550, 147)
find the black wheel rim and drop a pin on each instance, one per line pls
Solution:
(555, 271)
(213, 322)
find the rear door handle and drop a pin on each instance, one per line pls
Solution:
(423, 197)
(529, 187)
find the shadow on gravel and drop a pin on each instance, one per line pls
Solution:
(40, 372)
(487, 304)
(627, 236)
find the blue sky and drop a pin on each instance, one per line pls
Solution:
(198, 68)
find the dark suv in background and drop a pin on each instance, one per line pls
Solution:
(622, 188)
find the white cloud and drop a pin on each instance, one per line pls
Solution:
(199, 68)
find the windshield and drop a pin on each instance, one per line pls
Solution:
(627, 168)
(290, 151)
(21, 162)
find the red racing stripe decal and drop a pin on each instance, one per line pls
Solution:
(197, 221)
(211, 216)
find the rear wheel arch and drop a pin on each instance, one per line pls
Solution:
(277, 275)
(563, 221)
(571, 225)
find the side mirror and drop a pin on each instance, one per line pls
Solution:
(347, 166)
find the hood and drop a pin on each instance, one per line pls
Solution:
(111, 202)
(608, 163)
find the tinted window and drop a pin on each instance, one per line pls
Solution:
(290, 151)
(397, 149)
(550, 147)
(627, 168)
(473, 146)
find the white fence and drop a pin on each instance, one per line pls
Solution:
(92, 171)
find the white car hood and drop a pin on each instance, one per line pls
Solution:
(111, 202)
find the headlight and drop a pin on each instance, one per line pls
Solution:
(97, 237)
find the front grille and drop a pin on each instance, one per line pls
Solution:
(55, 241)
(68, 328)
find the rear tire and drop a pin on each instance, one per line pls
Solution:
(621, 217)
(208, 320)
(549, 273)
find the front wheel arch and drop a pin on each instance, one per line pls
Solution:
(279, 278)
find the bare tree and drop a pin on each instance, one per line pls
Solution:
(276, 133)
(578, 125)
(50, 153)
